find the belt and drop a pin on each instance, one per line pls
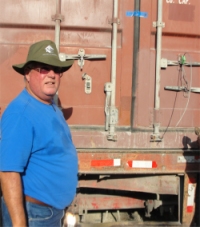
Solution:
(32, 200)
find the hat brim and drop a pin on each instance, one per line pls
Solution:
(63, 65)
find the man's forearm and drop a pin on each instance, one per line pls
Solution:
(13, 196)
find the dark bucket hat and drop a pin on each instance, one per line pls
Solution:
(44, 52)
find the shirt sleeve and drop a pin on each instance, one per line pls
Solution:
(16, 142)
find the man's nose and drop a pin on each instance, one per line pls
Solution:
(51, 73)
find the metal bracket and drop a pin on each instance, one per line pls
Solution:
(57, 17)
(108, 89)
(164, 63)
(177, 88)
(155, 138)
(88, 83)
(81, 56)
(113, 120)
(114, 20)
(111, 113)
(158, 24)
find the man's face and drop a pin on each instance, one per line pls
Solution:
(42, 81)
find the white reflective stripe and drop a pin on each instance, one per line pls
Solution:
(142, 164)
(191, 194)
(117, 162)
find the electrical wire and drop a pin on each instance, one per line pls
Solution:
(173, 109)
(188, 91)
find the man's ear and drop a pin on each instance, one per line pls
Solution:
(27, 74)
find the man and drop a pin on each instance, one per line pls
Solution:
(38, 161)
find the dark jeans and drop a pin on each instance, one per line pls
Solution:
(38, 216)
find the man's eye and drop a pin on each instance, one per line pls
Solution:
(56, 70)
(44, 70)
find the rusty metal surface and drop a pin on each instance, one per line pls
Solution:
(149, 184)
(86, 25)
(131, 224)
(180, 36)
(166, 161)
(96, 138)
(100, 202)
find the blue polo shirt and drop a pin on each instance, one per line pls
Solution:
(36, 142)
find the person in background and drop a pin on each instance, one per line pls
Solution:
(38, 160)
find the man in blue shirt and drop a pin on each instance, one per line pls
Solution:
(38, 161)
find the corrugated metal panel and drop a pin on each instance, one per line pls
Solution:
(86, 25)
(180, 36)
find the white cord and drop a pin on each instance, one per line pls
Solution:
(188, 95)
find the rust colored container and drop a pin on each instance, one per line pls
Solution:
(131, 100)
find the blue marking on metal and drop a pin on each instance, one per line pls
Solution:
(136, 14)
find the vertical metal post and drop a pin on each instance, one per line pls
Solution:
(57, 24)
(114, 51)
(136, 44)
(113, 112)
(159, 25)
(57, 19)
